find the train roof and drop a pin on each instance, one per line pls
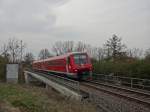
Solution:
(58, 57)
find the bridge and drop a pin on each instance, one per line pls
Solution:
(65, 86)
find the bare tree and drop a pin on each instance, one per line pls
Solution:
(88, 49)
(13, 50)
(147, 54)
(44, 53)
(114, 46)
(68, 46)
(135, 53)
(22, 48)
(4, 51)
(100, 53)
(80, 47)
(60, 47)
(28, 58)
(108, 52)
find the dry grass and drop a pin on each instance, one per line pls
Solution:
(23, 98)
(7, 107)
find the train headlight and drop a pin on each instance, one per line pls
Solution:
(69, 67)
(75, 70)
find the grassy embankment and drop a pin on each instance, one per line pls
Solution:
(22, 98)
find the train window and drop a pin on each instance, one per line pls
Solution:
(80, 59)
(56, 63)
(68, 60)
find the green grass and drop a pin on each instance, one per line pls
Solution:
(34, 99)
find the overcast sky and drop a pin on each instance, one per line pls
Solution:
(40, 23)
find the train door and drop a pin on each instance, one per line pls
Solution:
(67, 64)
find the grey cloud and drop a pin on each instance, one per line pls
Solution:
(91, 21)
(27, 15)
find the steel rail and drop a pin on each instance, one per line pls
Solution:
(116, 94)
(145, 93)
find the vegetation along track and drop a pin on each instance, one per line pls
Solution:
(131, 95)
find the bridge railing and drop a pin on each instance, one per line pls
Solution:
(69, 83)
(126, 81)
(66, 82)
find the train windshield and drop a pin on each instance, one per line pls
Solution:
(80, 59)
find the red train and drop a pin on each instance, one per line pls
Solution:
(74, 65)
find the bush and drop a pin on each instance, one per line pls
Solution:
(136, 68)
(3, 63)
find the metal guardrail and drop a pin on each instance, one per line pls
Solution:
(126, 81)
(72, 84)
(75, 85)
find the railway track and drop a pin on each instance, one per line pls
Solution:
(124, 93)
(131, 95)
(142, 97)
(133, 90)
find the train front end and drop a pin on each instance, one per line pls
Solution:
(82, 66)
